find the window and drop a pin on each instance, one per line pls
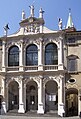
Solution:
(13, 56)
(51, 54)
(31, 55)
(72, 63)
(71, 41)
(71, 80)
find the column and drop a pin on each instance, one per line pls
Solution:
(21, 57)
(7, 99)
(3, 56)
(61, 98)
(40, 57)
(79, 102)
(40, 97)
(44, 96)
(60, 54)
(3, 109)
(21, 96)
(25, 97)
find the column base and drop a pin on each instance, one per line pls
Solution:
(21, 108)
(3, 69)
(61, 109)
(40, 109)
(40, 68)
(60, 67)
(21, 68)
(3, 108)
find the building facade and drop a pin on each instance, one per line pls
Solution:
(40, 68)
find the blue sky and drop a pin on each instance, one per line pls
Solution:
(10, 12)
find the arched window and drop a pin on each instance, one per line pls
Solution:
(51, 54)
(31, 55)
(13, 56)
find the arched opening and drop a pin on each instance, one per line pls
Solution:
(31, 55)
(13, 56)
(51, 54)
(72, 102)
(1, 97)
(31, 96)
(13, 95)
(51, 96)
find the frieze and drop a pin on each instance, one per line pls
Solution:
(33, 28)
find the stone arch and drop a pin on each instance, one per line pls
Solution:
(28, 44)
(13, 95)
(11, 45)
(51, 95)
(72, 102)
(32, 79)
(51, 41)
(31, 95)
(1, 99)
(11, 80)
(49, 79)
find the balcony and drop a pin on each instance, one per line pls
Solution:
(51, 67)
(32, 68)
(12, 69)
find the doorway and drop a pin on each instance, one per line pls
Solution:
(13, 95)
(51, 96)
(72, 102)
(31, 96)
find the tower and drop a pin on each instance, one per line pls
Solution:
(70, 25)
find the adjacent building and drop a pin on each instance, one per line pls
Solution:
(40, 69)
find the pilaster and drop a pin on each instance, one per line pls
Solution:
(4, 105)
(61, 110)
(40, 97)
(3, 56)
(60, 54)
(79, 102)
(25, 97)
(21, 56)
(21, 103)
(40, 60)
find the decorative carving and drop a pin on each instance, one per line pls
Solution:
(48, 78)
(9, 43)
(34, 28)
(31, 78)
(37, 41)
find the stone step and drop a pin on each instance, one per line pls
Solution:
(32, 113)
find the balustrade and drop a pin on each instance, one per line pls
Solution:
(33, 68)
